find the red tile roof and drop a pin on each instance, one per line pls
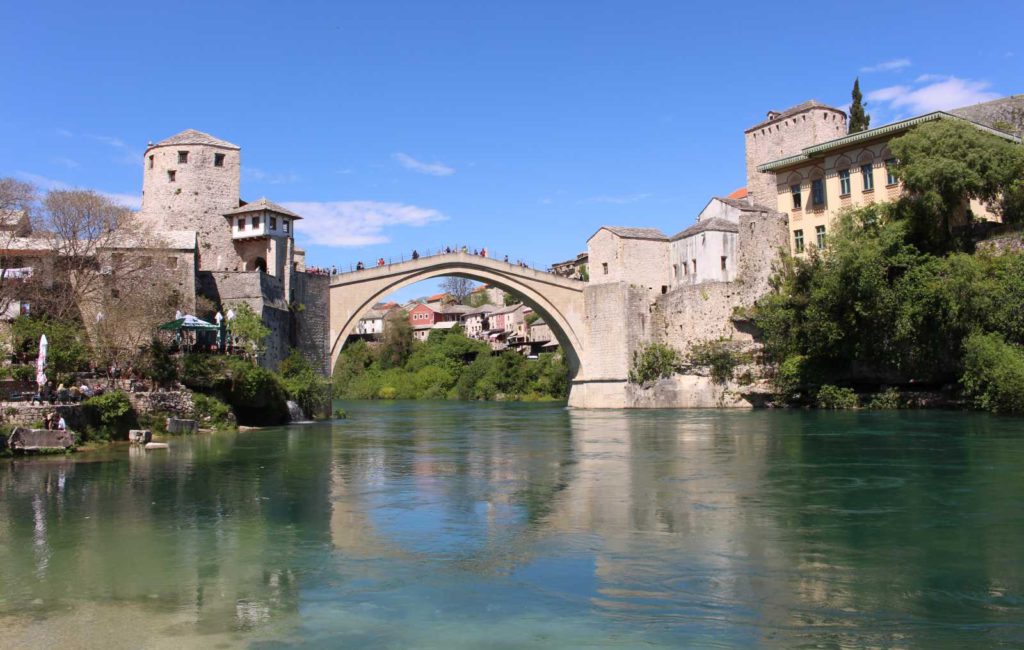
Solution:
(738, 194)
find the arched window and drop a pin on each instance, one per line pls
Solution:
(259, 264)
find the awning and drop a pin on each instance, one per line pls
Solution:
(189, 322)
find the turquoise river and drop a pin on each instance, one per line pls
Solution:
(455, 525)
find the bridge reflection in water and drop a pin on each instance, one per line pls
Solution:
(455, 523)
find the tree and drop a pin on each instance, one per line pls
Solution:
(944, 164)
(457, 287)
(859, 120)
(248, 327)
(396, 345)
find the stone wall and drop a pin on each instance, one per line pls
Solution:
(177, 403)
(23, 414)
(265, 295)
(313, 320)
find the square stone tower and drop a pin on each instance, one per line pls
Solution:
(189, 181)
(785, 134)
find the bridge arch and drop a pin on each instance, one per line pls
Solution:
(557, 299)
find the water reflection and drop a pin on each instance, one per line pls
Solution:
(453, 525)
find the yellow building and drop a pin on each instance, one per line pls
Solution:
(854, 170)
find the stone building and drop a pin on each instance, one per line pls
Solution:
(812, 180)
(240, 251)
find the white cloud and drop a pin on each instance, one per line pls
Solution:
(617, 200)
(950, 92)
(128, 154)
(887, 66)
(133, 201)
(257, 174)
(433, 169)
(927, 78)
(357, 223)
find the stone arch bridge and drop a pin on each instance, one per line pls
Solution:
(557, 299)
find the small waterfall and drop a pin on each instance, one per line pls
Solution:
(295, 413)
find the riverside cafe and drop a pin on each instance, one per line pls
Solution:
(193, 334)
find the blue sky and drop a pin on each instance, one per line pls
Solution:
(521, 127)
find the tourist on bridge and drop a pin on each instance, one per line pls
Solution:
(359, 265)
(483, 252)
(415, 254)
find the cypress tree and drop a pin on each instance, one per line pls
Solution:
(859, 120)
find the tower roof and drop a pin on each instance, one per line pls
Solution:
(260, 205)
(191, 136)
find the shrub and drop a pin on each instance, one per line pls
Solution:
(212, 411)
(111, 414)
(790, 377)
(305, 385)
(256, 395)
(719, 357)
(387, 392)
(654, 361)
(889, 399)
(994, 373)
(834, 397)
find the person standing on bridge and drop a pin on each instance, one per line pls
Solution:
(483, 252)
(415, 254)
(359, 265)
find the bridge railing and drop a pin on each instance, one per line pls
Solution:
(426, 253)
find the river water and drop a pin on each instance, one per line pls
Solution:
(453, 525)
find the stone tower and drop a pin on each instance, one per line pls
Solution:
(189, 181)
(785, 134)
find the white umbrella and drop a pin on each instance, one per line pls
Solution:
(219, 317)
(178, 315)
(41, 361)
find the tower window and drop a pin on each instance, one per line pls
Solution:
(724, 259)
(820, 232)
(151, 161)
(797, 199)
(604, 267)
(255, 223)
(218, 160)
(273, 223)
(170, 175)
(284, 224)
(182, 157)
(694, 266)
(798, 240)
(241, 223)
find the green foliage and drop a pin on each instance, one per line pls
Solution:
(834, 397)
(305, 385)
(584, 273)
(654, 361)
(720, 357)
(888, 400)
(450, 365)
(791, 377)
(945, 163)
(68, 349)
(248, 328)
(994, 373)
(397, 343)
(109, 415)
(859, 120)
(212, 412)
(256, 394)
